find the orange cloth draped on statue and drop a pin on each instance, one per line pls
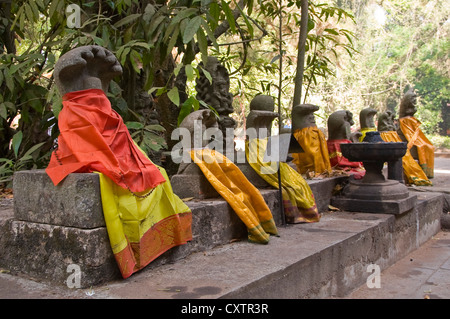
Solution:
(315, 156)
(413, 172)
(143, 217)
(92, 138)
(338, 161)
(410, 127)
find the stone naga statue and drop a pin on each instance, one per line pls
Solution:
(261, 115)
(217, 93)
(409, 131)
(86, 67)
(312, 140)
(366, 120)
(386, 121)
(339, 132)
(339, 125)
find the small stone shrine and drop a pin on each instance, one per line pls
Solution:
(374, 193)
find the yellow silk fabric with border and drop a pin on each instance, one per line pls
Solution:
(413, 172)
(410, 127)
(298, 199)
(245, 199)
(141, 229)
(315, 157)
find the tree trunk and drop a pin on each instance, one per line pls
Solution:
(301, 54)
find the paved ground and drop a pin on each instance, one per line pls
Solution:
(425, 273)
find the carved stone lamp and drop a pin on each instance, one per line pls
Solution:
(374, 193)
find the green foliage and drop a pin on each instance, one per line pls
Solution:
(144, 35)
(440, 142)
(260, 72)
(409, 47)
(147, 137)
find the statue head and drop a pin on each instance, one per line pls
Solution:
(196, 123)
(386, 121)
(303, 116)
(261, 114)
(408, 104)
(339, 125)
(366, 117)
(86, 67)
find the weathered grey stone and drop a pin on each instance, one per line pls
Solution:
(323, 190)
(192, 183)
(75, 202)
(38, 246)
(45, 251)
(86, 67)
(395, 207)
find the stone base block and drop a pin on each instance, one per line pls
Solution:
(395, 207)
(75, 202)
(196, 186)
(54, 253)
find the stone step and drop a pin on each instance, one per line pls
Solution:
(56, 226)
(318, 260)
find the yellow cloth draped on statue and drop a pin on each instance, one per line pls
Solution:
(315, 157)
(298, 199)
(245, 199)
(413, 172)
(364, 130)
(410, 127)
(141, 229)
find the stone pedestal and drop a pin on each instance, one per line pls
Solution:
(374, 193)
(56, 229)
(190, 182)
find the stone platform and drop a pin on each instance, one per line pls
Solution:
(328, 258)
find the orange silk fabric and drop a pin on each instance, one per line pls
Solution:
(94, 138)
(410, 127)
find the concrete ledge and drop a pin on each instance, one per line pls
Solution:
(308, 260)
(325, 259)
(52, 229)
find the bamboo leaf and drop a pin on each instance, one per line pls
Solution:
(210, 34)
(202, 42)
(127, 20)
(191, 29)
(16, 141)
(174, 96)
(184, 14)
(189, 72)
(229, 15)
(185, 110)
